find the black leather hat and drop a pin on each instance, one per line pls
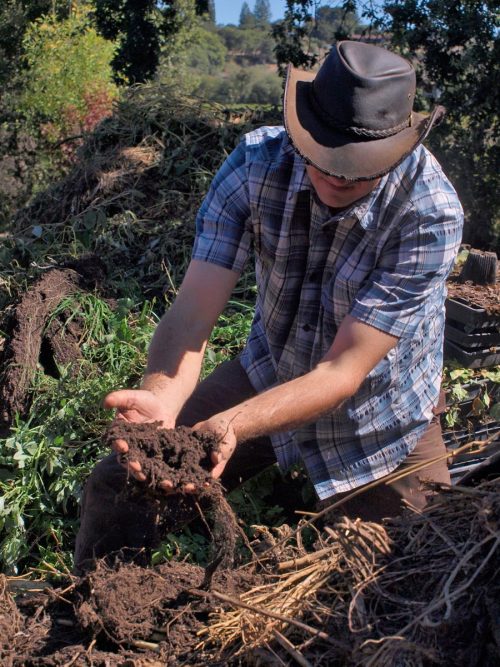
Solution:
(353, 118)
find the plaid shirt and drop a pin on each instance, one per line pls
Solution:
(384, 260)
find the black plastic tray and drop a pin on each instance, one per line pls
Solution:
(455, 438)
(468, 460)
(472, 358)
(470, 316)
(481, 339)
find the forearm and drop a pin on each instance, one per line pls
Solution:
(178, 345)
(356, 350)
(174, 359)
(292, 404)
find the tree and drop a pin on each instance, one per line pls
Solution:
(247, 17)
(134, 25)
(262, 13)
(143, 29)
(291, 34)
(208, 55)
(334, 23)
(455, 46)
(206, 8)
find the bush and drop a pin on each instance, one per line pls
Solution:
(208, 55)
(68, 68)
(246, 85)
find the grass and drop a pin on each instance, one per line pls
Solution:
(51, 451)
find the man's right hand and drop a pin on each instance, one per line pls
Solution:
(138, 406)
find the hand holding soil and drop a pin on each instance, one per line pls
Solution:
(137, 406)
(222, 431)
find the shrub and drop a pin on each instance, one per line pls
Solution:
(68, 70)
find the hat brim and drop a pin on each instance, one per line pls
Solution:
(340, 154)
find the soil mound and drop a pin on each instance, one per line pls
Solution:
(34, 336)
(126, 616)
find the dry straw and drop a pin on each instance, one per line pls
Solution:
(418, 590)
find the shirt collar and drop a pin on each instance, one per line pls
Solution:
(300, 180)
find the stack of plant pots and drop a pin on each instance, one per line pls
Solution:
(472, 340)
(472, 334)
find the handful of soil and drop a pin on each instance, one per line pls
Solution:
(179, 455)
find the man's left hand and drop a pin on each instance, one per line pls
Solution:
(225, 437)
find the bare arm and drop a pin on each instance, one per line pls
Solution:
(356, 350)
(178, 345)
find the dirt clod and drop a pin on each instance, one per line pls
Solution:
(179, 455)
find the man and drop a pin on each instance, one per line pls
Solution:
(355, 229)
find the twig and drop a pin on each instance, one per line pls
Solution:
(290, 649)
(304, 560)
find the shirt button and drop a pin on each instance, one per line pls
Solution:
(306, 327)
(314, 276)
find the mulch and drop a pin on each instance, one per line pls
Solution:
(419, 590)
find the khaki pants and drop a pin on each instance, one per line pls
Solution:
(117, 515)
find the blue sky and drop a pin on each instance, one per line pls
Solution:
(228, 11)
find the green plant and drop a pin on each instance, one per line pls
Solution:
(49, 454)
(66, 62)
(481, 386)
(229, 335)
(188, 545)
(250, 501)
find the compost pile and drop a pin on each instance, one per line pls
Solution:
(125, 616)
(132, 197)
(422, 589)
(119, 226)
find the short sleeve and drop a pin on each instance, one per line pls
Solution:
(223, 234)
(408, 283)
